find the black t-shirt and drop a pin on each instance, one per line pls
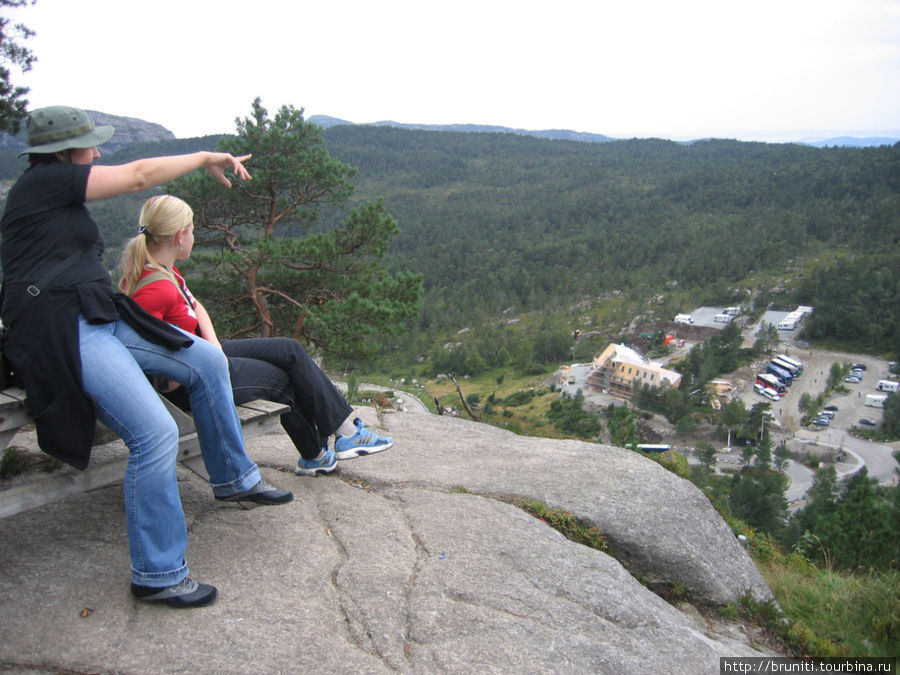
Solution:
(46, 220)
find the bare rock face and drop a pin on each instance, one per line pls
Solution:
(413, 560)
(660, 525)
(128, 130)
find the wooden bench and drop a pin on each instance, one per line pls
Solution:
(257, 417)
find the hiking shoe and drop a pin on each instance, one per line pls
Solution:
(363, 442)
(313, 467)
(261, 493)
(187, 593)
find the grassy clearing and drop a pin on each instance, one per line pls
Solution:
(487, 393)
(849, 615)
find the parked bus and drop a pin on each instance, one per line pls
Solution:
(650, 447)
(786, 365)
(794, 362)
(771, 382)
(780, 373)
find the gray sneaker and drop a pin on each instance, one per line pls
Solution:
(187, 593)
(261, 493)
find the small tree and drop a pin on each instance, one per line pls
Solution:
(782, 456)
(764, 452)
(767, 338)
(747, 454)
(706, 453)
(835, 375)
(807, 404)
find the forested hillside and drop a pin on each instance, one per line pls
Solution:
(496, 221)
(499, 220)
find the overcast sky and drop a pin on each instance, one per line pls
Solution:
(763, 70)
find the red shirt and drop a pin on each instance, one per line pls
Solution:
(164, 300)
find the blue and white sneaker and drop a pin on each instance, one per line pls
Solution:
(313, 467)
(363, 442)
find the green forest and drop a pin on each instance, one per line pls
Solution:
(498, 222)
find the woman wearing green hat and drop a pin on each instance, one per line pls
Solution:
(82, 350)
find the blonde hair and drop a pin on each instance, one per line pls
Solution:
(162, 217)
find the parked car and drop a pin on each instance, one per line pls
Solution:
(868, 422)
(856, 373)
(826, 413)
(853, 379)
(770, 394)
(859, 366)
(758, 388)
(832, 408)
(821, 421)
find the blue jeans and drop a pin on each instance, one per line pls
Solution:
(114, 360)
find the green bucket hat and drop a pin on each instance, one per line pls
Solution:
(60, 128)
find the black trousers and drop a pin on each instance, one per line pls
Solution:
(280, 370)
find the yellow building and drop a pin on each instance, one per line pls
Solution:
(619, 368)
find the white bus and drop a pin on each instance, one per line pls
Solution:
(651, 447)
(786, 365)
(794, 362)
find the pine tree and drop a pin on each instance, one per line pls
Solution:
(278, 270)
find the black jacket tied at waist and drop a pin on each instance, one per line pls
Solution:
(42, 346)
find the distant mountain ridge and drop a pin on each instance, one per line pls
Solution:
(129, 130)
(326, 121)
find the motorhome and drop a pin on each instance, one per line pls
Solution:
(788, 324)
(684, 318)
(723, 318)
(887, 385)
(732, 311)
(876, 400)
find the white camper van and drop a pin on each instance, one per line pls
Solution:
(684, 318)
(788, 324)
(876, 400)
(887, 385)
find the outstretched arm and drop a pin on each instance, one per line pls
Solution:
(108, 181)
